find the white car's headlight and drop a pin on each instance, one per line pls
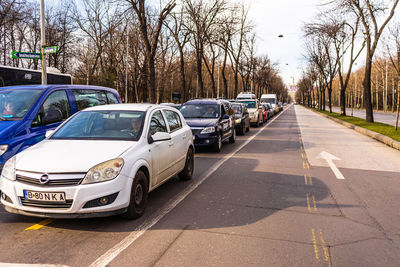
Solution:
(238, 120)
(104, 171)
(208, 130)
(9, 169)
(3, 149)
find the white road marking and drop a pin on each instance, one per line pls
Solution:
(330, 158)
(111, 254)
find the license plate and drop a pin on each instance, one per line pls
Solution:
(45, 196)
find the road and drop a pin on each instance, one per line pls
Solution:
(384, 117)
(270, 199)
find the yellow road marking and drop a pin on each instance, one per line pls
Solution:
(325, 249)
(314, 203)
(305, 179)
(315, 244)
(40, 224)
(307, 165)
(308, 204)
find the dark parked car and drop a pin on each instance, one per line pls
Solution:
(242, 119)
(212, 121)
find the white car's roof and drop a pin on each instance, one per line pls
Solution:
(136, 107)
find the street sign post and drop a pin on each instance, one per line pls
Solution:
(51, 49)
(27, 55)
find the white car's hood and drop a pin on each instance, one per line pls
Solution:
(51, 156)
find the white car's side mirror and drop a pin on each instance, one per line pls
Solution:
(159, 136)
(49, 133)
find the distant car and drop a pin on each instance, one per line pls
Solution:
(265, 113)
(102, 161)
(269, 109)
(255, 111)
(28, 111)
(212, 122)
(242, 119)
(280, 106)
(245, 95)
(173, 105)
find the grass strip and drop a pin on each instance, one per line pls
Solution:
(378, 127)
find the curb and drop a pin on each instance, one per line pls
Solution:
(374, 135)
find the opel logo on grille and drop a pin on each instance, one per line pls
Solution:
(44, 178)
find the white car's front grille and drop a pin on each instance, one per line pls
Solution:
(65, 179)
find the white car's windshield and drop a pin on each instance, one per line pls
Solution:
(14, 104)
(103, 125)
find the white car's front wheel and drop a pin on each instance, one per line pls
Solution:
(138, 200)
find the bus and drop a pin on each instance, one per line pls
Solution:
(19, 76)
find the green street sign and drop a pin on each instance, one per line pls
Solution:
(28, 55)
(51, 49)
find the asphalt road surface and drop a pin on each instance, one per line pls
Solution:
(279, 196)
(384, 117)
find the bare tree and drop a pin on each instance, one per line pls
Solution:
(368, 12)
(200, 21)
(150, 33)
(236, 44)
(181, 36)
(393, 51)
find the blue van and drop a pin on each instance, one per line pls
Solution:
(27, 112)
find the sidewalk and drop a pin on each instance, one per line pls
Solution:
(355, 150)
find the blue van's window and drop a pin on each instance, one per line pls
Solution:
(15, 104)
(112, 99)
(89, 98)
(58, 101)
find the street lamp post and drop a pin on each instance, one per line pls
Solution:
(43, 43)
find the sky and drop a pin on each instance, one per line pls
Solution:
(286, 17)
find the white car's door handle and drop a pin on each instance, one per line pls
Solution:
(171, 143)
(184, 136)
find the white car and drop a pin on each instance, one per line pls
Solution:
(100, 162)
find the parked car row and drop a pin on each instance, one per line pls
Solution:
(73, 151)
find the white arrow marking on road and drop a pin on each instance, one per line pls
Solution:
(330, 158)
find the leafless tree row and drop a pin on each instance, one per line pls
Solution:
(337, 39)
(197, 48)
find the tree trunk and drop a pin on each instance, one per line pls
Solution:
(343, 102)
(151, 80)
(182, 71)
(224, 77)
(330, 100)
(199, 59)
(367, 91)
(398, 105)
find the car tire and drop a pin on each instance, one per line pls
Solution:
(243, 130)
(218, 146)
(248, 128)
(232, 139)
(187, 172)
(258, 122)
(138, 200)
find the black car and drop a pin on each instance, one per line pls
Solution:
(242, 119)
(212, 122)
